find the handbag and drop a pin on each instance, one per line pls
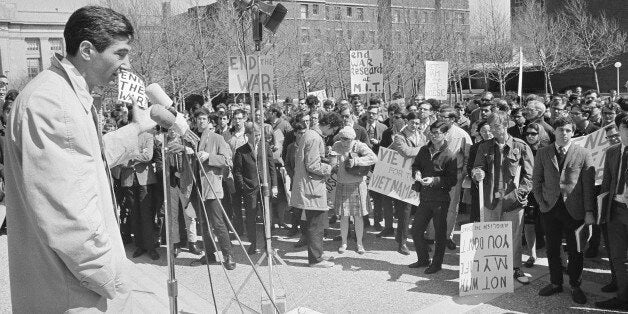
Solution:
(359, 171)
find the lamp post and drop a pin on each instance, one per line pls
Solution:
(617, 66)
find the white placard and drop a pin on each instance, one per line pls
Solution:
(436, 79)
(392, 176)
(597, 143)
(131, 86)
(320, 94)
(367, 74)
(239, 82)
(486, 262)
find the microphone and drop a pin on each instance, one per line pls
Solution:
(156, 94)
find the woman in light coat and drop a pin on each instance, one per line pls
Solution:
(351, 193)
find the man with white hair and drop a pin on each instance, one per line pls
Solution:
(533, 112)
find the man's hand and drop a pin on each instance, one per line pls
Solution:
(274, 191)
(203, 156)
(589, 219)
(175, 147)
(417, 176)
(141, 117)
(374, 141)
(478, 174)
(427, 181)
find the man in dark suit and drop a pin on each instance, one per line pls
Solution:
(615, 213)
(563, 184)
(375, 130)
(247, 171)
(517, 130)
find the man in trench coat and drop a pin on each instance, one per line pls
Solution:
(64, 244)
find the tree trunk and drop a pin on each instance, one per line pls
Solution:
(469, 78)
(597, 82)
(546, 80)
(455, 89)
(549, 82)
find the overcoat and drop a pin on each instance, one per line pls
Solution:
(309, 190)
(64, 244)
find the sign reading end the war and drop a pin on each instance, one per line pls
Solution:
(243, 81)
(367, 74)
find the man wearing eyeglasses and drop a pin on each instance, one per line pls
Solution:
(4, 86)
(534, 111)
(580, 117)
(375, 129)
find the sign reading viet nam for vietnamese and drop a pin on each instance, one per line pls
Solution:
(436, 79)
(392, 176)
(597, 144)
(131, 86)
(367, 74)
(240, 82)
(486, 250)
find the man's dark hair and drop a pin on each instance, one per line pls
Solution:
(239, 111)
(621, 119)
(563, 121)
(311, 101)
(275, 110)
(298, 126)
(411, 105)
(98, 25)
(450, 111)
(442, 126)
(516, 111)
(412, 116)
(329, 103)
(375, 101)
(372, 106)
(393, 108)
(590, 91)
(332, 119)
(11, 95)
(201, 112)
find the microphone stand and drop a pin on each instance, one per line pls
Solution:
(172, 281)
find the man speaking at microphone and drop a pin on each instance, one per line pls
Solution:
(65, 249)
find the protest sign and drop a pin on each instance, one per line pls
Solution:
(131, 86)
(486, 261)
(241, 82)
(436, 79)
(367, 71)
(320, 94)
(597, 144)
(392, 176)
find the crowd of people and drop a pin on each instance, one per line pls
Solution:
(518, 149)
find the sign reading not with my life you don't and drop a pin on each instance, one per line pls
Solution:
(243, 81)
(367, 74)
(392, 176)
(436, 79)
(486, 262)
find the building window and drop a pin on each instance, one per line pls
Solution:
(307, 60)
(56, 45)
(318, 34)
(349, 11)
(361, 36)
(34, 66)
(359, 12)
(315, 9)
(327, 13)
(395, 16)
(338, 13)
(304, 11)
(372, 36)
(32, 46)
(339, 34)
(423, 17)
(305, 35)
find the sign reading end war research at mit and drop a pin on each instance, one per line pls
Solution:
(240, 82)
(131, 86)
(367, 74)
(436, 79)
(486, 258)
(392, 176)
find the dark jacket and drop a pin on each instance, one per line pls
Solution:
(443, 167)
(247, 168)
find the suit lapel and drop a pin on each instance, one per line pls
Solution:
(553, 157)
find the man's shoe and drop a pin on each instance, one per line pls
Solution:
(229, 263)
(323, 264)
(403, 249)
(530, 262)
(578, 296)
(138, 252)
(301, 243)
(337, 238)
(387, 232)
(419, 264)
(342, 249)
(591, 253)
(521, 277)
(550, 289)
(192, 248)
(377, 226)
(326, 257)
(283, 226)
(177, 251)
(612, 304)
(432, 269)
(611, 287)
(153, 254)
(451, 244)
(333, 219)
(361, 250)
(252, 249)
(203, 261)
(292, 232)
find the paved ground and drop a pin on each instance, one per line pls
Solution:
(376, 282)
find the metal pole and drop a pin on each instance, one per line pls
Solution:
(618, 90)
(265, 192)
(481, 199)
(172, 281)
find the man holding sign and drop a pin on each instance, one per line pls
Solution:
(504, 166)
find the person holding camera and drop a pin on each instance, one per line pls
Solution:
(353, 162)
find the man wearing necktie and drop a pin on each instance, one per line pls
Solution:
(615, 213)
(563, 185)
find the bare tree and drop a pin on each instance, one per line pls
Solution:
(546, 39)
(598, 38)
